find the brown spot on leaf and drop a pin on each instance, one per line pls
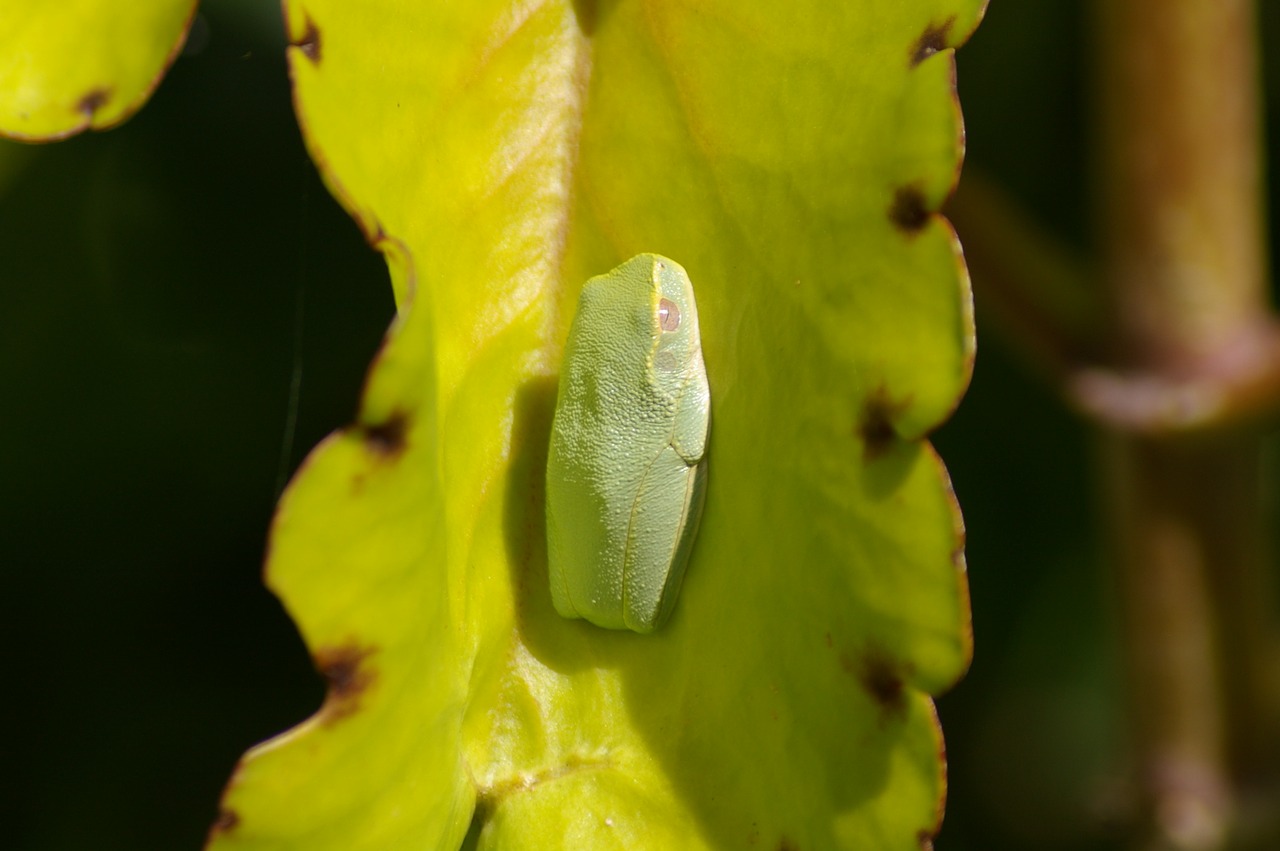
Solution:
(785, 844)
(227, 821)
(92, 101)
(387, 438)
(883, 678)
(349, 678)
(875, 426)
(933, 39)
(908, 212)
(309, 43)
(924, 839)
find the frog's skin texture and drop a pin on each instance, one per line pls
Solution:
(626, 469)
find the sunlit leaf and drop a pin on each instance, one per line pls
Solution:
(792, 158)
(73, 64)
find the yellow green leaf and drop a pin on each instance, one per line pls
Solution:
(792, 157)
(73, 64)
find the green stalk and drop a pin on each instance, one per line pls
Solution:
(1183, 269)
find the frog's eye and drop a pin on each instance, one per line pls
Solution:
(668, 315)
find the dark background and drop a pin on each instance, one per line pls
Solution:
(163, 286)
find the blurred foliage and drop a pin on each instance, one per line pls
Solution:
(161, 283)
(1036, 733)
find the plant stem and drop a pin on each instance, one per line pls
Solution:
(1184, 269)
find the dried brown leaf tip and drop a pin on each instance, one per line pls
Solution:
(875, 426)
(909, 212)
(883, 678)
(349, 675)
(92, 101)
(227, 821)
(388, 437)
(933, 39)
(309, 43)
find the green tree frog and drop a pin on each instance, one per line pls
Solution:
(626, 469)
